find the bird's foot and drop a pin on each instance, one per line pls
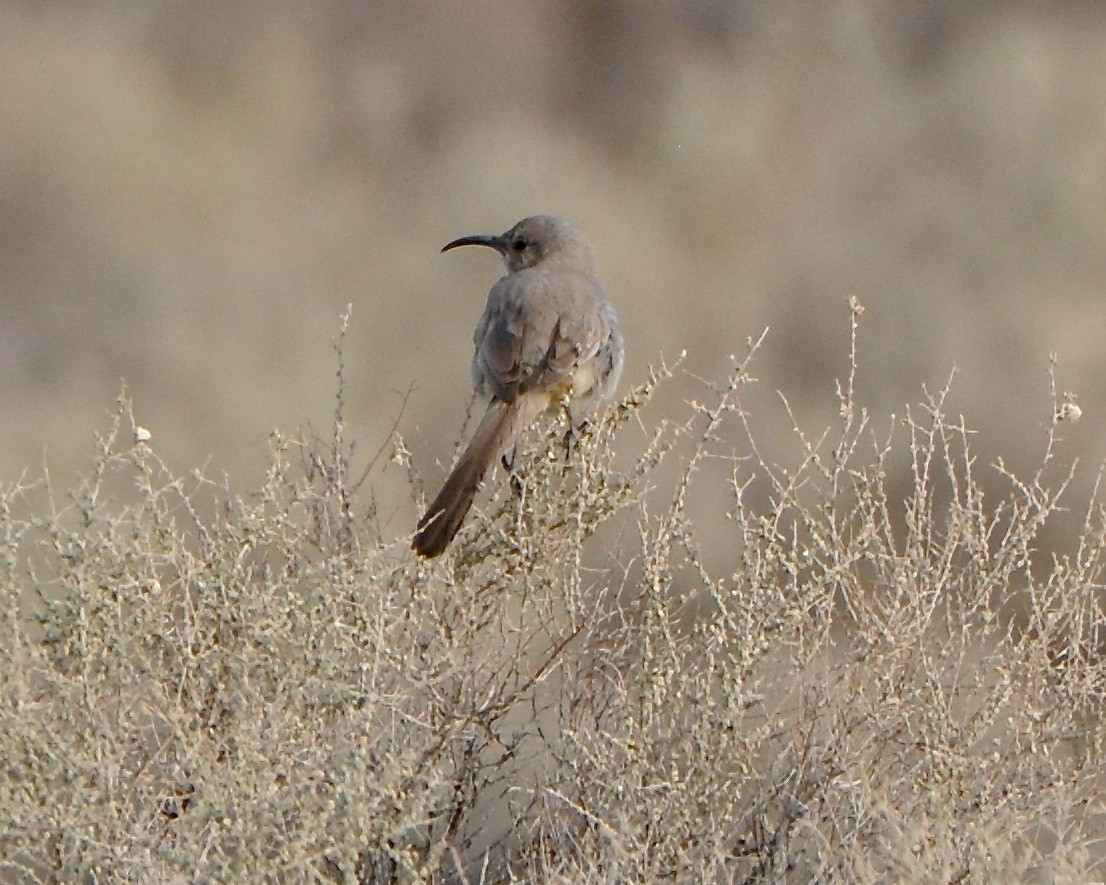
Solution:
(576, 432)
(513, 476)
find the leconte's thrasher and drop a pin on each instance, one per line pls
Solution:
(548, 336)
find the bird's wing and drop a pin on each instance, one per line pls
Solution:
(536, 332)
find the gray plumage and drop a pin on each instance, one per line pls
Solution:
(548, 335)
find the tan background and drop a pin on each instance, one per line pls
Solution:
(191, 192)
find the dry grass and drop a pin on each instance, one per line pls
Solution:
(884, 690)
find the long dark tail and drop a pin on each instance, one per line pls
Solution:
(445, 514)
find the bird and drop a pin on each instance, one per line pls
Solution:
(548, 338)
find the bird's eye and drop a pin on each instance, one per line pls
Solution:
(519, 244)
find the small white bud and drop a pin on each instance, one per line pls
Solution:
(1069, 411)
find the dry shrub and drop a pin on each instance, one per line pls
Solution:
(879, 690)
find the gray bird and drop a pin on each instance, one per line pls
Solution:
(548, 338)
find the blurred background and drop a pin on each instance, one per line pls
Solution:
(192, 192)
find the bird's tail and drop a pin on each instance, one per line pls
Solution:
(445, 514)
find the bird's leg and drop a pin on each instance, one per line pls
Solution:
(570, 442)
(578, 427)
(515, 479)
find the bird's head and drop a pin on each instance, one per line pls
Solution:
(532, 241)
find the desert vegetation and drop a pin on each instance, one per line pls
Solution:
(273, 689)
(826, 611)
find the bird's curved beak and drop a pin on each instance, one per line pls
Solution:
(496, 242)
